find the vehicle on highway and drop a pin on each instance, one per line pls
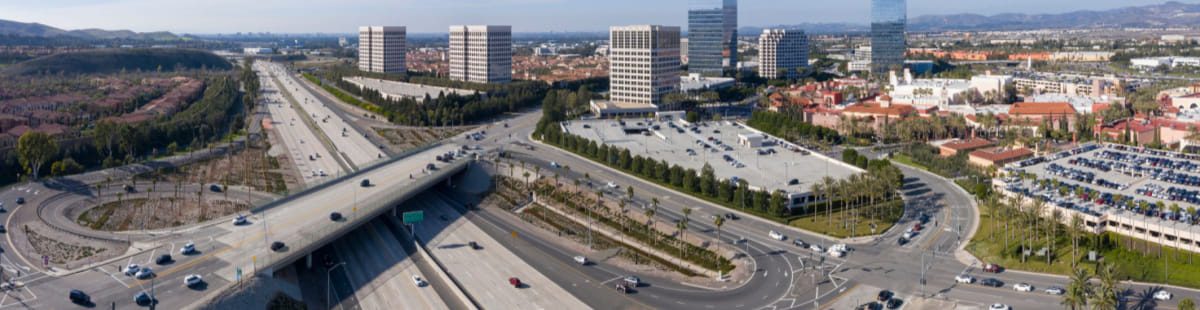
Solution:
(1023, 287)
(163, 259)
(2, 229)
(965, 279)
(132, 269)
(20, 200)
(239, 220)
(612, 185)
(474, 245)
(188, 249)
(776, 235)
(1054, 290)
(991, 282)
(335, 216)
(581, 260)
(418, 281)
(79, 297)
(277, 246)
(365, 183)
(214, 188)
(2, 209)
(731, 216)
(514, 282)
(145, 273)
(142, 299)
(800, 243)
(1162, 295)
(993, 268)
(632, 280)
(192, 280)
(999, 307)
(554, 165)
(816, 248)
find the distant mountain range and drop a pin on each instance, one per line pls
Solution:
(20, 29)
(1169, 14)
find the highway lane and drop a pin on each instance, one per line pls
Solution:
(349, 142)
(381, 272)
(303, 146)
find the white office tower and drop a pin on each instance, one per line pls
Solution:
(481, 53)
(782, 53)
(381, 49)
(644, 63)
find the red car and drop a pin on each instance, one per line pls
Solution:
(993, 268)
(515, 282)
(917, 227)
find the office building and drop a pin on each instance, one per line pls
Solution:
(712, 36)
(781, 53)
(481, 53)
(381, 49)
(888, 20)
(644, 63)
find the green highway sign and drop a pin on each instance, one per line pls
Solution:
(414, 217)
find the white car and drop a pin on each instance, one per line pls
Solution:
(1022, 287)
(776, 235)
(132, 269)
(965, 279)
(239, 220)
(418, 281)
(836, 253)
(999, 307)
(145, 273)
(188, 248)
(839, 247)
(1055, 291)
(612, 185)
(1162, 295)
(816, 248)
(581, 260)
(192, 280)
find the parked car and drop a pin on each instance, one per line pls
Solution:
(192, 280)
(277, 246)
(79, 297)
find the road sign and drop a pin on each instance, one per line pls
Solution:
(413, 217)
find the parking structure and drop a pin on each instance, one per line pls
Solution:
(1144, 193)
(734, 151)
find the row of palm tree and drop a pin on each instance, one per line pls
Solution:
(1084, 293)
(878, 185)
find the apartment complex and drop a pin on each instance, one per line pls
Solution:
(712, 36)
(644, 63)
(888, 44)
(781, 53)
(481, 53)
(381, 49)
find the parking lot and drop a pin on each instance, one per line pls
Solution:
(776, 165)
(1154, 188)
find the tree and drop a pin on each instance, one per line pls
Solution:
(1186, 304)
(34, 149)
(718, 221)
(1078, 290)
(1105, 296)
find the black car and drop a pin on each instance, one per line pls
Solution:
(365, 183)
(20, 200)
(214, 188)
(79, 297)
(335, 216)
(991, 282)
(884, 295)
(902, 241)
(894, 303)
(474, 245)
(277, 246)
(143, 299)
(164, 259)
(794, 182)
(731, 216)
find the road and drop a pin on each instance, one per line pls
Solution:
(303, 145)
(351, 144)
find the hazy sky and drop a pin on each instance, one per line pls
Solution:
(344, 16)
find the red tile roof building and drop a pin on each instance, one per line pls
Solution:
(998, 156)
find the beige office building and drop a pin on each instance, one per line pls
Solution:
(781, 52)
(481, 53)
(644, 63)
(381, 49)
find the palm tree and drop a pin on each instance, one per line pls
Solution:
(1075, 230)
(1105, 297)
(827, 184)
(650, 223)
(816, 189)
(1078, 290)
(718, 222)
(1186, 304)
(682, 228)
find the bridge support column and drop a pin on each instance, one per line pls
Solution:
(308, 261)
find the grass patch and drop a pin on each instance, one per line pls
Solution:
(884, 217)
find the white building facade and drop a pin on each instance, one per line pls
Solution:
(781, 53)
(381, 49)
(481, 53)
(644, 63)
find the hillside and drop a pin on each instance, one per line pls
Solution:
(116, 60)
(20, 29)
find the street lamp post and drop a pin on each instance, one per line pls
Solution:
(328, 284)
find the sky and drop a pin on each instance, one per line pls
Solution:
(424, 16)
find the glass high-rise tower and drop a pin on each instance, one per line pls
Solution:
(888, 20)
(712, 36)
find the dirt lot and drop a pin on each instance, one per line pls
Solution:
(409, 137)
(250, 167)
(158, 212)
(47, 242)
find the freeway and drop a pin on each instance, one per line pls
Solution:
(314, 162)
(349, 143)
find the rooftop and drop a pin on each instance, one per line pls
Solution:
(1041, 108)
(1002, 153)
